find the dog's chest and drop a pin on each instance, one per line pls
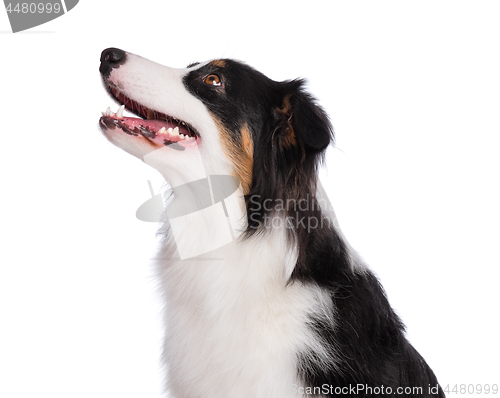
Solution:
(233, 326)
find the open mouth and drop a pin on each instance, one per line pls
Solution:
(153, 125)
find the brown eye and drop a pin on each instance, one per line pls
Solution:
(213, 80)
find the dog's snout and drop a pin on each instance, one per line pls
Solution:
(111, 58)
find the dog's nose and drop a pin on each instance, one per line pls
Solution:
(111, 58)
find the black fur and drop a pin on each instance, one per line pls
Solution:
(290, 133)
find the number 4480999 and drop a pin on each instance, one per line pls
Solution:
(34, 8)
(471, 389)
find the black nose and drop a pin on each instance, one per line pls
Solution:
(111, 58)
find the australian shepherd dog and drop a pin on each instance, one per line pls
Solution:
(264, 297)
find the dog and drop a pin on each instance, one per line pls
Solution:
(264, 297)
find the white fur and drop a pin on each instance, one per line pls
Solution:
(234, 326)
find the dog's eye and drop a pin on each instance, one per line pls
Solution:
(213, 80)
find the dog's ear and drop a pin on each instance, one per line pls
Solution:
(301, 122)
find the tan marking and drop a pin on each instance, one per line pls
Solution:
(288, 139)
(218, 62)
(240, 151)
(287, 107)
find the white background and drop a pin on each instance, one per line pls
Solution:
(413, 90)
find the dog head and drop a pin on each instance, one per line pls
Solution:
(221, 116)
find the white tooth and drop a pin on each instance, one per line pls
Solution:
(182, 136)
(108, 111)
(103, 113)
(119, 112)
(169, 131)
(162, 130)
(176, 131)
